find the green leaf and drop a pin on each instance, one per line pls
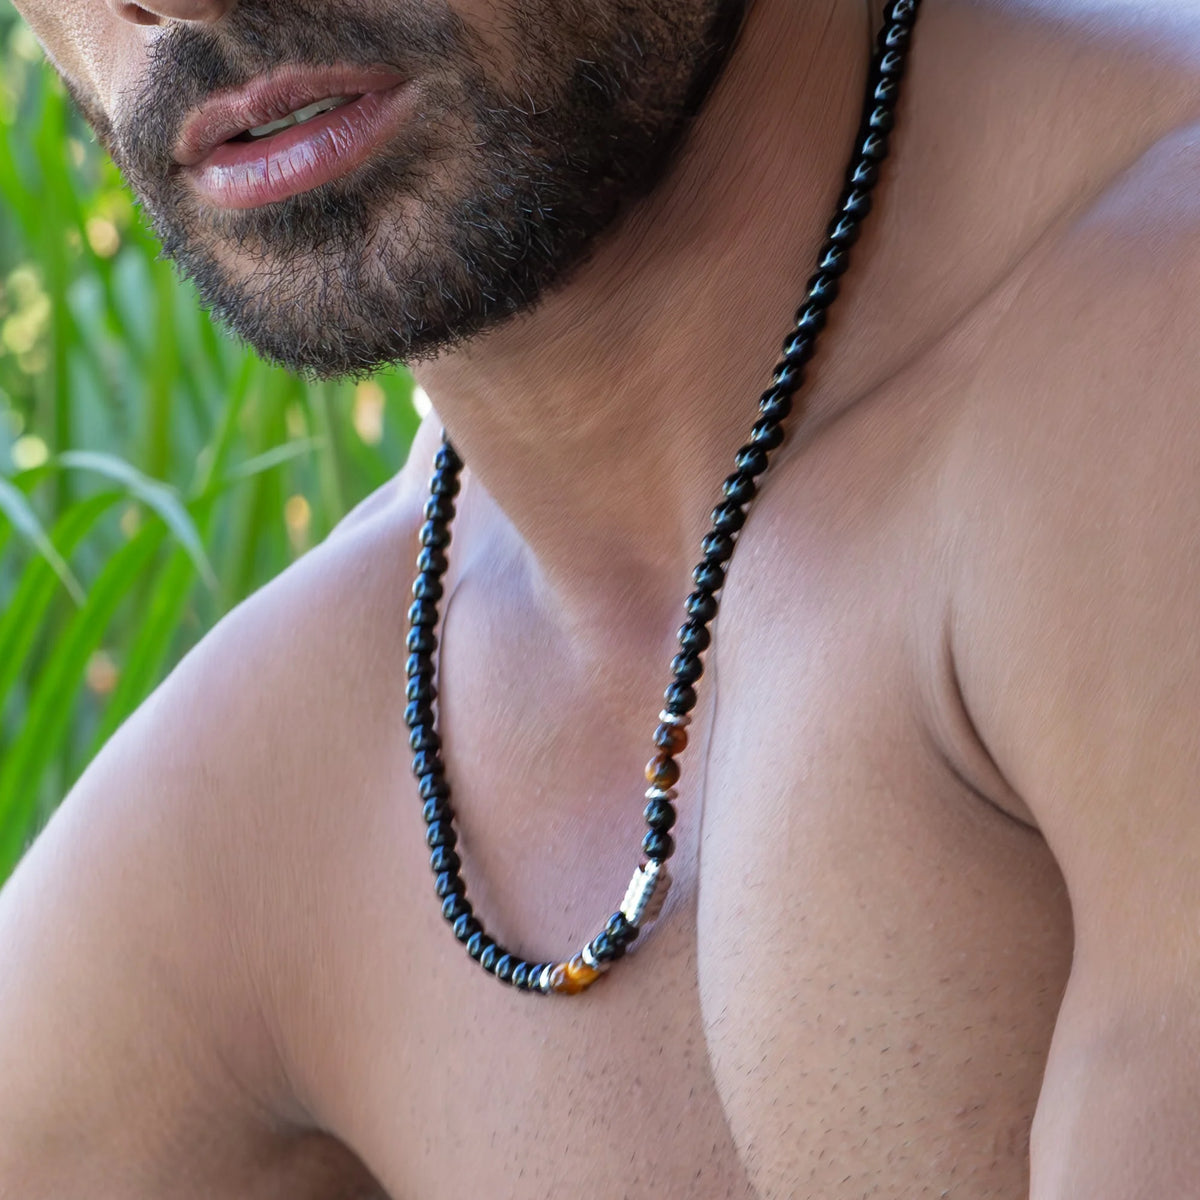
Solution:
(15, 506)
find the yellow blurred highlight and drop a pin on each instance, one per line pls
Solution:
(297, 515)
(103, 237)
(102, 674)
(131, 521)
(370, 401)
(29, 452)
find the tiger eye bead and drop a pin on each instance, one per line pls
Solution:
(580, 973)
(662, 771)
(671, 738)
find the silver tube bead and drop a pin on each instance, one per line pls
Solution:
(646, 894)
(670, 718)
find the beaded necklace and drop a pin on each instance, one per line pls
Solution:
(648, 888)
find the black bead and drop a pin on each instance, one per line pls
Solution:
(456, 905)
(864, 175)
(767, 433)
(520, 975)
(417, 665)
(709, 576)
(620, 930)
(717, 547)
(874, 146)
(477, 943)
(811, 318)
(687, 668)
(660, 815)
(491, 956)
(891, 64)
(798, 348)
(823, 288)
(844, 231)
(658, 846)
(448, 883)
(680, 699)
(423, 612)
(432, 560)
(440, 833)
(731, 516)
(504, 967)
(694, 636)
(466, 927)
(433, 785)
(445, 484)
(776, 403)
(834, 261)
(424, 737)
(857, 203)
(427, 762)
(739, 489)
(896, 37)
(436, 809)
(428, 587)
(421, 690)
(444, 859)
(701, 605)
(440, 509)
(604, 949)
(882, 117)
(417, 712)
(435, 534)
(446, 458)
(886, 91)
(902, 10)
(752, 460)
(421, 640)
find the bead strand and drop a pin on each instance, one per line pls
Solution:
(650, 882)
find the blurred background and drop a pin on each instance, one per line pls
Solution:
(152, 472)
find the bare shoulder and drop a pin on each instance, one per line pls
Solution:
(176, 901)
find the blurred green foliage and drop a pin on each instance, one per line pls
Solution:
(152, 471)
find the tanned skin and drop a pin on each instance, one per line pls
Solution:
(936, 923)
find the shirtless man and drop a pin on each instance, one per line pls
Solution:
(935, 927)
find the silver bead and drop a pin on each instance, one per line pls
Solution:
(543, 983)
(592, 961)
(646, 894)
(657, 793)
(670, 718)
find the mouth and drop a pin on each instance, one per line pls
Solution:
(289, 133)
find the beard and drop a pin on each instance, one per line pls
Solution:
(527, 146)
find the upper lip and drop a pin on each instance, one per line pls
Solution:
(270, 98)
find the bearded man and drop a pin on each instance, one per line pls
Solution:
(935, 922)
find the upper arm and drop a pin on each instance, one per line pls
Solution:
(1080, 651)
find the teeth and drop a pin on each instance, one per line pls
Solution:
(298, 117)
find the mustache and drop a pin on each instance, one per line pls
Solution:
(191, 63)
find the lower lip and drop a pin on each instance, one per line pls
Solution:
(238, 175)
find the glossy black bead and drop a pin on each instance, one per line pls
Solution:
(857, 203)
(423, 612)
(446, 458)
(417, 665)
(767, 433)
(844, 231)
(421, 640)
(687, 667)
(823, 288)
(424, 737)
(882, 117)
(902, 10)
(730, 516)
(776, 402)
(798, 348)
(739, 489)
(874, 145)
(680, 699)
(520, 975)
(701, 605)
(440, 834)
(752, 460)
(694, 637)
(432, 560)
(428, 587)
(456, 905)
(658, 846)
(660, 815)
(891, 65)
(434, 533)
(445, 483)
(466, 927)
(440, 509)
(709, 576)
(620, 930)
(811, 318)
(427, 762)
(603, 949)
(444, 859)
(834, 261)
(895, 37)
(504, 967)
(864, 175)
(437, 808)
(491, 956)
(421, 690)
(717, 547)
(886, 91)
(477, 943)
(448, 883)
(418, 712)
(433, 786)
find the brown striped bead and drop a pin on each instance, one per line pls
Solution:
(662, 771)
(562, 983)
(578, 972)
(671, 738)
